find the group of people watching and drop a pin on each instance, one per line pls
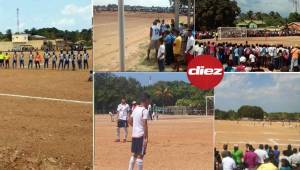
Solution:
(64, 60)
(173, 46)
(177, 47)
(265, 157)
(246, 57)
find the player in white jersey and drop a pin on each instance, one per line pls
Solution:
(154, 112)
(54, 59)
(123, 113)
(21, 60)
(15, 59)
(149, 111)
(154, 39)
(138, 121)
(67, 60)
(85, 60)
(46, 57)
(30, 60)
(61, 60)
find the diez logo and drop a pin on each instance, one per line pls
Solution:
(201, 70)
(205, 72)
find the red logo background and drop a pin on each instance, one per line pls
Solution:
(205, 82)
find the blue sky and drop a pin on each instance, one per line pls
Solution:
(273, 92)
(143, 77)
(63, 14)
(284, 7)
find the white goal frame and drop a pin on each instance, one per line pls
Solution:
(238, 32)
(206, 104)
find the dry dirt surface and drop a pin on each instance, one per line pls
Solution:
(242, 132)
(38, 133)
(137, 27)
(175, 143)
(286, 41)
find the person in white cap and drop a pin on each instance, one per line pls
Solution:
(242, 66)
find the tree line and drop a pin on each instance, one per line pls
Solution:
(254, 113)
(54, 33)
(271, 19)
(211, 14)
(109, 89)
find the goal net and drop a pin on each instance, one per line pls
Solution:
(209, 105)
(232, 32)
(205, 110)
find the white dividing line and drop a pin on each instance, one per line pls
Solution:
(269, 133)
(46, 98)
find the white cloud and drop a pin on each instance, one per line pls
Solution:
(274, 92)
(64, 22)
(75, 10)
(162, 3)
(284, 7)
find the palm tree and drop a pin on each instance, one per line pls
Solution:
(163, 92)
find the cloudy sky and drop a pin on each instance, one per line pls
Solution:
(63, 14)
(284, 7)
(273, 92)
(162, 3)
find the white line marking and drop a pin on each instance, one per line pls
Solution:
(47, 98)
(273, 141)
(269, 133)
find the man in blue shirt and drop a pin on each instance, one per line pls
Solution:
(169, 47)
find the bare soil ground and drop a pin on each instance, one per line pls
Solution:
(175, 143)
(137, 27)
(44, 134)
(242, 132)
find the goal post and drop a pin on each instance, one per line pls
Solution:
(232, 32)
(209, 105)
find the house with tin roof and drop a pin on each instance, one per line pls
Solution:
(294, 26)
(253, 24)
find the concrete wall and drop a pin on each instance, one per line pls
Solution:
(7, 45)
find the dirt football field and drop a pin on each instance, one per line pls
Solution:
(46, 120)
(137, 30)
(286, 41)
(175, 143)
(242, 132)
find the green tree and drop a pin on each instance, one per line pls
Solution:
(163, 92)
(294, 17)
(109, 89)
(250, 15)
(253, 112)
(8, 35)
(211, 14)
